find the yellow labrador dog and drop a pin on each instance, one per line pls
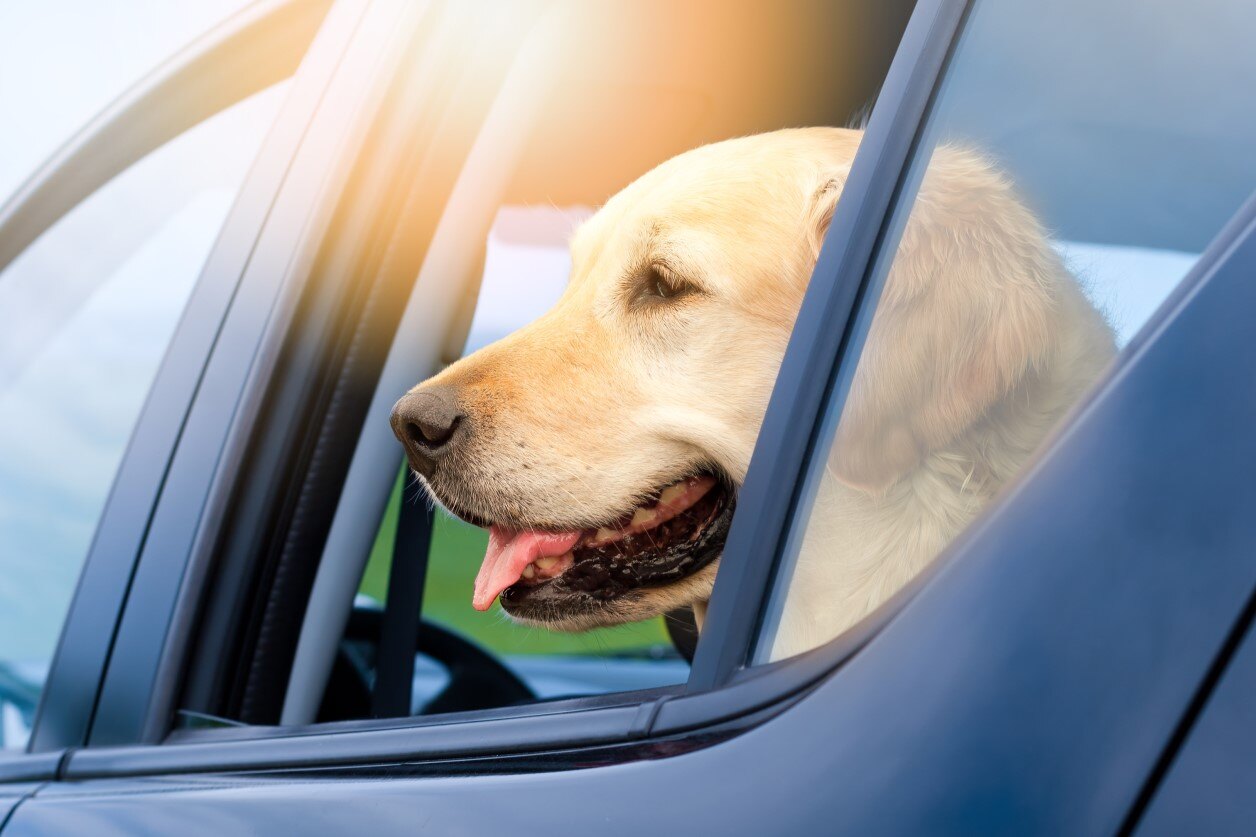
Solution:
(603, 444)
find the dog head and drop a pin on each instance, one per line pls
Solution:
(602, 445)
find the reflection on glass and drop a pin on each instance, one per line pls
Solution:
(88, 310)
(1049, 219)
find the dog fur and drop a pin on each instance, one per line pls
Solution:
(980, 341)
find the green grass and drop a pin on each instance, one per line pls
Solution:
(457, 549)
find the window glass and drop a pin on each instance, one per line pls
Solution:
(525, 271)
(1079, 158)
(63, 61)
(88, 311)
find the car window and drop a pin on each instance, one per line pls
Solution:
(526, 269)
(62, 62)
(89, 309)
(1079, 158)
(594, 125)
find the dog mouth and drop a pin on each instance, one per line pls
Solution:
(678, 530)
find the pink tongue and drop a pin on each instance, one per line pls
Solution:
(508, 553)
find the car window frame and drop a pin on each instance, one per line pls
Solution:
(119, 137)
(912, 77)
(281, 231)
(508, 735)
(914, 73)
(435, 308)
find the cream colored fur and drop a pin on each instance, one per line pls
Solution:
(980, 342)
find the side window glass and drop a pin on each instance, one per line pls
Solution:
(1056, 202)
(88, 311)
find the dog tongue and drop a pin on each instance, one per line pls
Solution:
(508, 553)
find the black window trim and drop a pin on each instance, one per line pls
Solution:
(473, 141)
(270, 461)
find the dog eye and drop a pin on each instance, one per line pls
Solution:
(657, 284)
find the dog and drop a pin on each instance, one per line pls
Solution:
(603, 444)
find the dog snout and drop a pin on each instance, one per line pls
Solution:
(428, 422)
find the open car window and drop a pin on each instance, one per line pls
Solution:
(1057, 199)
(493, 258)
(526, 269)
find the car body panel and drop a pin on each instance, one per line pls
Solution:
(1208, 787)
(12, 795)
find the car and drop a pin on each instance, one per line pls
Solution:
(224, 607)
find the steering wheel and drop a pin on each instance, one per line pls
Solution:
(477, 679)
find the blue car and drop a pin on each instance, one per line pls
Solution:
(226, 609)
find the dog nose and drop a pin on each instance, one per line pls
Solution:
(426, 422)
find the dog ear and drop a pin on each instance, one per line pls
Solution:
(964, 317)
(820, 215)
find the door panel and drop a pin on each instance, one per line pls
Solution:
(10, 797)
(1208, 787)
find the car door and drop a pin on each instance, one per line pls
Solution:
(994, 694)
